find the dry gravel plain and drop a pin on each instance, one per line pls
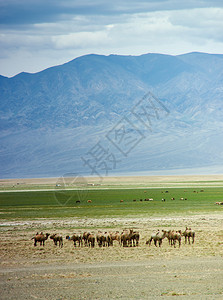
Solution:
(190, 272)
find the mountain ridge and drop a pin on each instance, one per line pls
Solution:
(43, 114)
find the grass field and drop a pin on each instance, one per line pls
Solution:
(107, 203)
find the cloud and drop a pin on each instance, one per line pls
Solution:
(80, 40)
(56, 31)
(17, 12)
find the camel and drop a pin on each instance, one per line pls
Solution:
(169, 237)
(75, 238)
(40, 238)
(157, 237)
(85, 238)
(57, 238)
(115, 236)
(91, 240)
(129, 238)
(189, 233)
(103, 239)
(135, 238)
(173, 237)
(126, 238)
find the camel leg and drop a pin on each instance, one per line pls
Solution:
(174, 243)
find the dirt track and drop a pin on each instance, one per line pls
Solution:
(197, 278)
(191, 272)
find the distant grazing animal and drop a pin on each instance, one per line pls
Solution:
(115, 236)
(157, 237)
(173, 237)
(91, 240)
(103, 239)
(219, 203)
(75, 238)
(40, 238)
(57, 238)
(85, 238)
(89, 201)
(135, 238)
(126, 238)
(189, 233)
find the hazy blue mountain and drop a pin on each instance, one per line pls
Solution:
(51, 121)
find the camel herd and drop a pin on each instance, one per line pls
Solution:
(172, 236)
(128, 238)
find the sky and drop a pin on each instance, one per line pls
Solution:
(37, 34)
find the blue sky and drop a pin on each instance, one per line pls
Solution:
(36, 34)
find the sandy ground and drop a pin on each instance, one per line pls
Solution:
(191, 272)
(124, 180)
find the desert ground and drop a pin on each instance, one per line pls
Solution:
(192, 271)
(115, 181)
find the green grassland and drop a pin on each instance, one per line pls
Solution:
(107, 203)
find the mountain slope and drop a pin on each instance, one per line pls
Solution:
(50, 119)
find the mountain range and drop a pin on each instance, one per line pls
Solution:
(83, 117)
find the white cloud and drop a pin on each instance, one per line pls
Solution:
(80, 40)
(166, 31)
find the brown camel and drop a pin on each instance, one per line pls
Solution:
(85, 238)
(91, 240)
(75, 238)
(129, 238)
(103, 239)
(115, 236)
(135, 238)
(189, 233)
(173, 237)
(57, 238)
(126, 237)
(40, 238)
(157, 237)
